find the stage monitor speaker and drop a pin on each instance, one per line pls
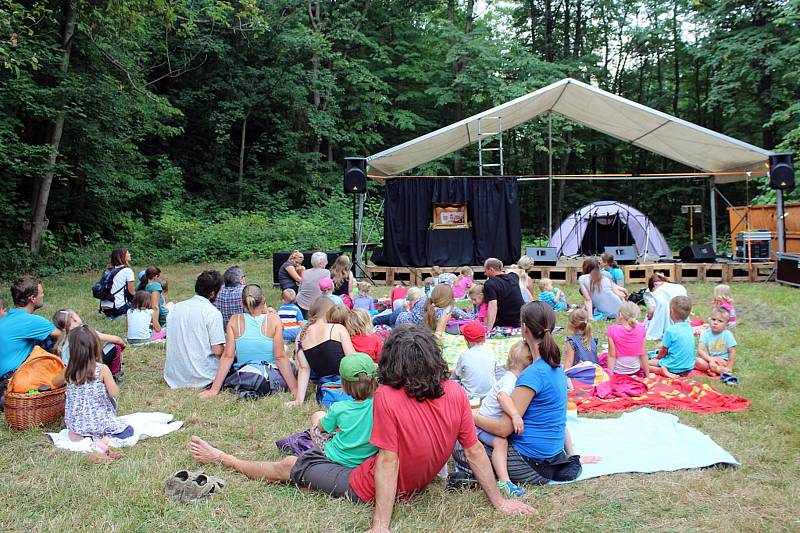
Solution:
(788, 269)
(542, 255)
(781, 171)
(279, 258)
(624, 255)
(698, 253)
(355, 175)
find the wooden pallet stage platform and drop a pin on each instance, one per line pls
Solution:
(568, 274)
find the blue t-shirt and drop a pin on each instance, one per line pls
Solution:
(679, 341)
(549, 297)
(546, 417)
(155, 286)
(717, 344)
(19, 331)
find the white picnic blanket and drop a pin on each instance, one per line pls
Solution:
(144, 425)
(645, 441)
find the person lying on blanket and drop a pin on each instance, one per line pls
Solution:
(716, 350)
(676, 358)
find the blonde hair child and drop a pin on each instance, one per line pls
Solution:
(723, 298)
(363, 337)
(66, 320)
(480, 307)
(463, 283)
(626, 342)
(364, 300)
(441, 302)
(580, 345)
(555, 298)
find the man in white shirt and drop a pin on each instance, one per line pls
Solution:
(196, 337)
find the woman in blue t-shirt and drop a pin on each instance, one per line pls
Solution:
(541, 451)
(150, 281)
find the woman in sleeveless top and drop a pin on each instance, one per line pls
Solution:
(320, 347)
(344, 283)
(254, 337)
(288, 277)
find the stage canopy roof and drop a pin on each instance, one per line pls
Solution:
(671, 137)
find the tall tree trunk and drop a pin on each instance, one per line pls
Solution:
(45, 181)
(698, 103)
(576, 42)
(548, 30)
(676, 42)
(241, 156)
(316, 23)
(567, 27)
(532, 18)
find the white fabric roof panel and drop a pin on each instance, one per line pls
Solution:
(676, 139)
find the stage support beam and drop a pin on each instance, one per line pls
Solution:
(360, 270)
(550, 175)
(780, 215)
(712, 198)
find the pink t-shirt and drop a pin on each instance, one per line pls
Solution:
(460, 287)
(729, 307)
(483, 310)
(628, 344)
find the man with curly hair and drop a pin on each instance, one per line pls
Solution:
(418, 416)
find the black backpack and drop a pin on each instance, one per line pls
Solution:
(102, 289)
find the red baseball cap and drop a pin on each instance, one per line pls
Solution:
(474, 331)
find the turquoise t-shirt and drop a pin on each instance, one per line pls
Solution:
(549, 297)
(717, 344)
(19, 331)
(679, 341)
(616, 275)
(546, 417)
(350, 445)
(155, 286)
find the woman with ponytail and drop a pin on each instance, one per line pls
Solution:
(542, 451)
(254, 338)
(601, 296)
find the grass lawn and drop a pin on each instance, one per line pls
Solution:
(42, 488)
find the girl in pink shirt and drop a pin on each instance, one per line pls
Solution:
(463, 283)
(723, 298)
(626, 347)
(481, 307)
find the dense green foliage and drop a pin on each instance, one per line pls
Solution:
(207, 129)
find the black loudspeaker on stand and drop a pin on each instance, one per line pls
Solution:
(698, 253)
(781, 171)
(355, 175)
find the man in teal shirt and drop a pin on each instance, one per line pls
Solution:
(20, 329)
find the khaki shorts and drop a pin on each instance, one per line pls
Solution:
(314, 470)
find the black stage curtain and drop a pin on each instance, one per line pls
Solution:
(492, 208)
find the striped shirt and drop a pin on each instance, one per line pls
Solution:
(291, 316)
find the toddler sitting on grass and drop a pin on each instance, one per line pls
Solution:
(716, 350)
(555, 298)
(498, 402)
(342, 434)
(676, 357)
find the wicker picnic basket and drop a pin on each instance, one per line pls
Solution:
(24, 411)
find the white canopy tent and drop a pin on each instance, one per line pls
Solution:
(723, 159)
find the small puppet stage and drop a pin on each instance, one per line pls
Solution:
(567, 273)
(450, 221)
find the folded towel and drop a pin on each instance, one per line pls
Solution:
(144, 425)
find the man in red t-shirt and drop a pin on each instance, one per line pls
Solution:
(418, 415)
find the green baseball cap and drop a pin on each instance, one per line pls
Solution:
(354, 364)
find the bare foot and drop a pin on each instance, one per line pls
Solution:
(668, 374)
(202, 451)
(590, 459)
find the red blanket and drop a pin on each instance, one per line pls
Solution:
(662, 393)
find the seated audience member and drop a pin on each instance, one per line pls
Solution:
(479, 306)
(388, 317)
(344, 283)
(398, 293)
(521, 269)
(599, 293)
(660, 293)
(151, 282)
(677, 354)
(723, 298)
(581, 345)
(497, 403)
(553, 297)
(364, 340)
(364, 300)
(439, 276)
(627, 353)
(716, 349)
(476, 366)
(415, 313)
(229, 299)
(288, 276)
(3, 308)
(291, 316)
(122, 285)
(254, 338)
(441, 302)
(342, 434)
(418, 413)
(139, 319)
(309, 289)
(320, 348)
(20, 329)
(326, 290)
(502, 294)
(463, 283)
(196, 337)
(543, 451)
(608, 265)
(65, 320)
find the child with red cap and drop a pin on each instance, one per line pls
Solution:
(476, 366)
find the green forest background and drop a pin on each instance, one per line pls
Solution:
(200, 130)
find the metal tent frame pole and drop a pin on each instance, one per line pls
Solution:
(780, 226)
(550, 173)
(358, 260)
(713, 208)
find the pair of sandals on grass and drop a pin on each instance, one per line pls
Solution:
(185, 485)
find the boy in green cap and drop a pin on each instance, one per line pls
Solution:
(349, 446)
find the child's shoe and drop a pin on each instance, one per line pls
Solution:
(510, 490)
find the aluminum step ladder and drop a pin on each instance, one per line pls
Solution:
(495, 129)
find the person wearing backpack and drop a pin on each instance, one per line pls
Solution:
(116, 287)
